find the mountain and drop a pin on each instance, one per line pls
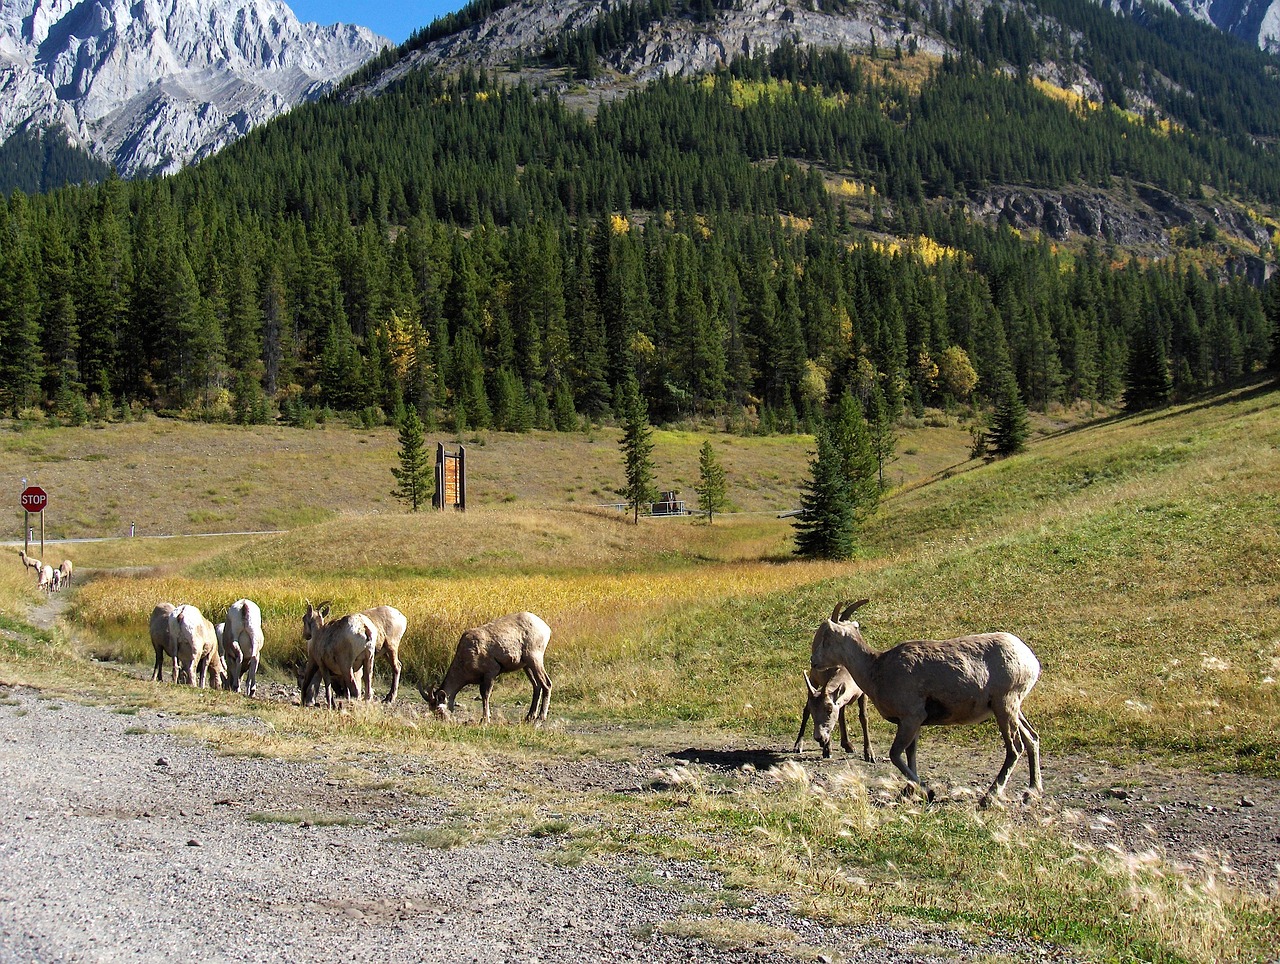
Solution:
(153, 85)
(1254, 21)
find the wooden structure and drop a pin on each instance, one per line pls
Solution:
(668, 504)
(451, 478)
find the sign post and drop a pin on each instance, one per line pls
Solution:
(34, 499)
(451, 478)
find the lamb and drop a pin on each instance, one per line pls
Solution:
(65, 569)
(940, 682)
(242, 644)
(829, 692)
(517, 641)
(335, 651)
(44, 578)
(391, 624)
(196, 645)
(32, 564)
(57, 581)
(162, 641)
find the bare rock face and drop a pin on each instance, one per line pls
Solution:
(1254, 21)
(152, 85)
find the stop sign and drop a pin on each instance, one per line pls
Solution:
(34, 498)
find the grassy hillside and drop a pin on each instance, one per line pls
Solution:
(169, 477)
(1137, 556)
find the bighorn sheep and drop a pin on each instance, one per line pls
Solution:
(196, 645)
(335, 651)
(242, 644)
(939, 682)
(44, 578)
(162, 641)
(829, 691)
(517, 641)
(32, 564)
(391, 624)
(65, 569)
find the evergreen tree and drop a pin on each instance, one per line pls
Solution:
(415, 474)
(711, 481)
(881, 427)
(1147, 383)
(637, 449)
(1009, 424)
(849, 432)
(826, 524)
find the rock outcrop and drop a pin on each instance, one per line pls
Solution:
(155, 84)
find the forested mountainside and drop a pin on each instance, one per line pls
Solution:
(746, 243)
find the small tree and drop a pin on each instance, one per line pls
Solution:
(637, 449)
(884, 437)
(414, 474)
(711, 481)
(1009, 424)
(850, 434)
(825, 527)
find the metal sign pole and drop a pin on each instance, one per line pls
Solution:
(26, 531)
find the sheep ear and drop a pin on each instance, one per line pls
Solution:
(853, 608)
(808, 683)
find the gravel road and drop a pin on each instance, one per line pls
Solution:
(122, 842)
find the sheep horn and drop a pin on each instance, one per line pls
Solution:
(853, 608)
(813, 690)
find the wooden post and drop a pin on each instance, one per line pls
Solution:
(437, 500)
(462, 477)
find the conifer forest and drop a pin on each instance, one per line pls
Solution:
(747, 245)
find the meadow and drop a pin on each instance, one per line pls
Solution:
(1137, 555)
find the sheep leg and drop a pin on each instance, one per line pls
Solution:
(486, 687)
(844, 732)
(867, 753)
(158, 674)
(804, 721)
(252, 674)
(541, 692)
(1012, 735)
(308, 678)
(1032, 741)
(394, 656)
(903, 752)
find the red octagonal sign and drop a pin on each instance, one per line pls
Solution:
(34, 498)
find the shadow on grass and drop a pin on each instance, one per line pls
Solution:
(732, 759)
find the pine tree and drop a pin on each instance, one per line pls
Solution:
(711, 481)
(414, 474)
(825, 527)
(884, 435)
(637, 449)
(1009, 424)
(850, 434)
(1147, 382)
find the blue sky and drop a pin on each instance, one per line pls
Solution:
(394, 19)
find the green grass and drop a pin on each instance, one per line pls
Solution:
(1137, 556)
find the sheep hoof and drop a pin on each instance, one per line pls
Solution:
(1030, 796)
(990, 800)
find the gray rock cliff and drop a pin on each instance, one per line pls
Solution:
(152, 85)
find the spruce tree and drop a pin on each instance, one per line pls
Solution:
(825, 527)
(1147, 382)
(711, 481)
(851, 436)
(637, 449)
(1009, 424)
(414, 475)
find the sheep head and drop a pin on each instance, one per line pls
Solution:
(823, 709)
(833, 634)
(313, 619)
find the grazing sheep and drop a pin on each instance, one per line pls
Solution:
(57, 581)
(32, 564)
(391, 624)
(196, 644)
(162, 641)
(944, 682)
(829, 691)
(44, 578)
(242, 644)
(65, 569)
(335, 651)
(484, 653)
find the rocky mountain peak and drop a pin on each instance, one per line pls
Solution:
(151, 85)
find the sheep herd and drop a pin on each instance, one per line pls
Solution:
(915, 684)
(340, 653)
(48, 578)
